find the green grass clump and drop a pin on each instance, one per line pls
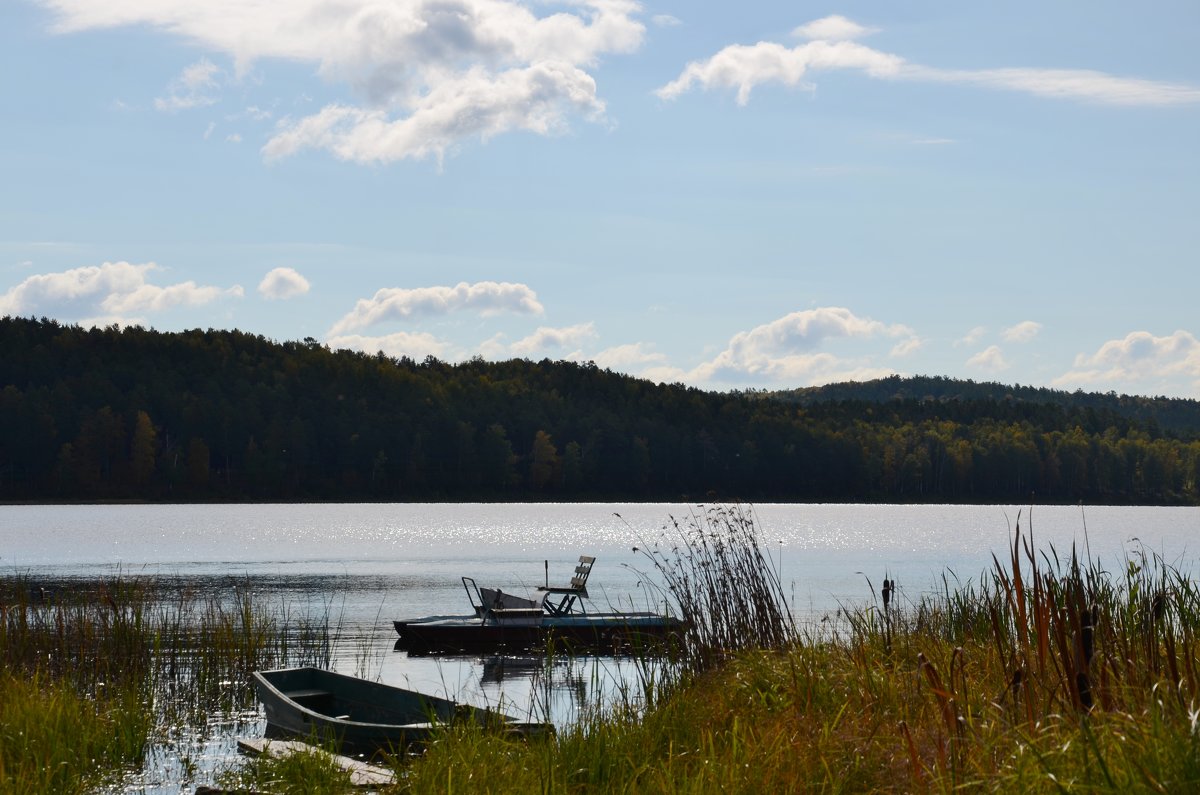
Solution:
(312, 773)
(52, 739)
(93, 673)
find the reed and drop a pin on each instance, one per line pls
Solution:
(1049, 673)
(101, 671)
(717, 578)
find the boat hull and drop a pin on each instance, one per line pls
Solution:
(605, 633)
(356, 715)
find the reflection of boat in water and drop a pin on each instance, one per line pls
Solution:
(556, 619)
(363, 716)
(498, 667)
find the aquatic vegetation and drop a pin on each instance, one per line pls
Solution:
(1049, 673)
(96, 675)
(716, 577)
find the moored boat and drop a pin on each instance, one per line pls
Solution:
(556, 619)
(363, 717)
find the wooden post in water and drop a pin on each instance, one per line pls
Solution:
(547, 564)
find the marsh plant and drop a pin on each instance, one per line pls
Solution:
(94, 674)
(1048, 673)
(717, 577)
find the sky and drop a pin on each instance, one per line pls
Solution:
(732, 196)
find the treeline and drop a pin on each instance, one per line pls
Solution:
(135, 414)
(1171, 414)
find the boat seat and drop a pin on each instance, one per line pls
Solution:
(307, 693)
(559, 600)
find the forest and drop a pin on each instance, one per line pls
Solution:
(132, 414)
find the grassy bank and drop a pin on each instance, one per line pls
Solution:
(1047, 674)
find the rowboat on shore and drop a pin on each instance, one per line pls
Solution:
(364, 717)
(556, 617)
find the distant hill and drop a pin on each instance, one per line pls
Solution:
(206, 415)
(1173, 415)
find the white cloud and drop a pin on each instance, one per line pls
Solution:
(194, 88)
(745, 66)
(426, 73)
(780, 350)
(833, 28)
(115, 288)
(257, 113)
(477, 105)
(1024, 331)
(1139, 356)
(991, 360)
(282, 283)
(632, 357)
(413, 345)
(907, 347)
(973, 336)
(395, 303)
(639, 359)
(1080, 84)
(665, 20)
(548, 339)
(494, 348)
(152, 298)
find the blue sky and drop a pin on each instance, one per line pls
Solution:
(765, 195)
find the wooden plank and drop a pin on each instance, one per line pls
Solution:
(361, 774)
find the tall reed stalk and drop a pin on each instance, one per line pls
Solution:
(719, 580)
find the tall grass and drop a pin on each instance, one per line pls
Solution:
(718, 579)
(97, 670)
(52, 740)
(1048, 673)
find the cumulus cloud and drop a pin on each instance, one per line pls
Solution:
(281, 284)
(785, 349)
(641, 360)
(972, 337)
(554, 339)
(833, 28)
(1024, 331)
(112, 289)
(744, 67)
(990, 359)
(395, 303)
(1138, 356)
(831, 46)
(425, 74)
(632, 357)
(152, 298)
(906, 347)
(477, 105)
(494, 347)
(414, 345)
(196, 87)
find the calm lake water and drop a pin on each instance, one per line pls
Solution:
(367, 564)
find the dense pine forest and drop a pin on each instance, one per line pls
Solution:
(134, 414)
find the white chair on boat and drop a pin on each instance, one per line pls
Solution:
(559, 601)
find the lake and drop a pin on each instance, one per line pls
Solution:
(367, 564)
